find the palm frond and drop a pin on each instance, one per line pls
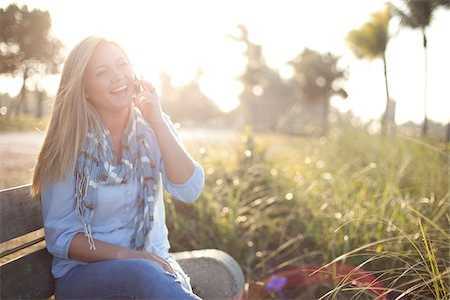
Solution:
(370, 40)
(417, 13)
(405, 19)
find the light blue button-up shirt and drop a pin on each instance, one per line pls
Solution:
(113, 220)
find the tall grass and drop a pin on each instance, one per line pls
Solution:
(380, 202)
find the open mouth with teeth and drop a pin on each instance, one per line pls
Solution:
(120, 89)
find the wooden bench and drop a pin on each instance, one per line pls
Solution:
(25, 263)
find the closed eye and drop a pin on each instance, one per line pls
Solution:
(123, 64)
(102, 72)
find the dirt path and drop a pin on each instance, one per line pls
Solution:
(18, 151)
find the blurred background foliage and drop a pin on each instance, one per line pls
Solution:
(274, 201)
(268, 102)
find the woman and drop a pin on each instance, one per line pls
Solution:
(108, 151)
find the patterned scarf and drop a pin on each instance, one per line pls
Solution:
(95, 166)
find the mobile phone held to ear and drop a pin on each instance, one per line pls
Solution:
(137, 86)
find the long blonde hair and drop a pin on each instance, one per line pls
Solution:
(72, 115)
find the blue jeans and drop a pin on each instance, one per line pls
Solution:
(123, 279)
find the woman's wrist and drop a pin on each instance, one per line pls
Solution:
(159, 126)
(125, 253)
(142, 255)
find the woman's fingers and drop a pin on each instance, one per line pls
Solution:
(147, 100)
(157, 259)
(147, 93)
(142, 96)
(146, 85)
(166, 266)
(169, 269)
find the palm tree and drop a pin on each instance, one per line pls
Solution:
(370, 42)
(418, 14)
(265, 96)
(318, 77)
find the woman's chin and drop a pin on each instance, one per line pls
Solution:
(120, 102)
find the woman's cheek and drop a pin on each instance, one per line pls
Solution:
(98, 91)
(101, 87)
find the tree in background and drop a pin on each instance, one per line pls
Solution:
(28, 50)
(318, 78)
(187, 103)
(418, 14)
(265, 95)
(370, 42)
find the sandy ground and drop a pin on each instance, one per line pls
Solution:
(18, 151)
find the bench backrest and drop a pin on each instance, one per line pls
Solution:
(25, 264)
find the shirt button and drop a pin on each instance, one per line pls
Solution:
(128, 193)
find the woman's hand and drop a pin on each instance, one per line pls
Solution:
(159, 260)
(147, 100)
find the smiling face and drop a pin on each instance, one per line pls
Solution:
(109, 79)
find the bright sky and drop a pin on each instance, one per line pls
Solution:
(181, 36)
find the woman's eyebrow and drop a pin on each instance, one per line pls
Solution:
(105, 65)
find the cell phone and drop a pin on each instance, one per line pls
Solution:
(137, 86)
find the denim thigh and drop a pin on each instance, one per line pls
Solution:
(120, 279)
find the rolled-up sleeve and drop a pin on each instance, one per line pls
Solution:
(59, 215)
(190, 190)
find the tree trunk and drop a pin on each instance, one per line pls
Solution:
(40, 101)
(448, 133)
(326, 111)
(17, 107)
(384, 126)
(425, 119)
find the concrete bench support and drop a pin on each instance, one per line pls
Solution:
(214, 274)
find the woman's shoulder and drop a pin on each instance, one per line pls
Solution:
(58, 197)
(62, 185)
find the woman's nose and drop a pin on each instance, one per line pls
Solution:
(118, 74)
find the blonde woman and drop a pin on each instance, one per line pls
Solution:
(108, 152)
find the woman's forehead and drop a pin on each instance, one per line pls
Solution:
(105, 54)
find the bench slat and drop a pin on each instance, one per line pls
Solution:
(14, 246)
(19, 213)
(28, 277)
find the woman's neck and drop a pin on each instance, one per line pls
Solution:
(115, 121)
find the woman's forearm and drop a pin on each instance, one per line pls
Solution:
(79, 250)
(178, 164)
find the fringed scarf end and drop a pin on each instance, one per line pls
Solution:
(88, 234)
